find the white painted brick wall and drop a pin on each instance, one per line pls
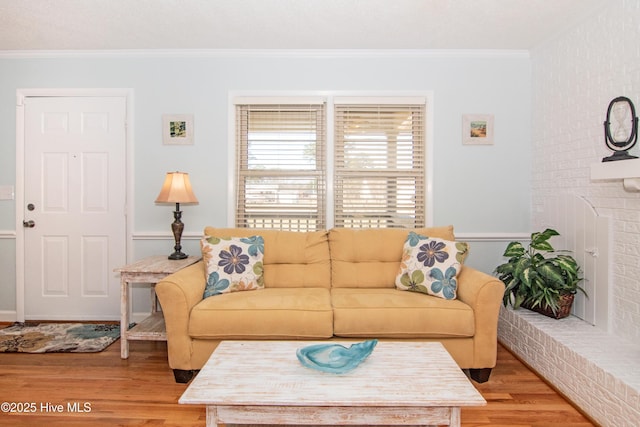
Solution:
(574, 77)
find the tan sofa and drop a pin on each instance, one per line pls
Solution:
(330, 285)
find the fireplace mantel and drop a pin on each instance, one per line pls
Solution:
(626, 170)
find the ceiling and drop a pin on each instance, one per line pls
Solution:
(285, 24)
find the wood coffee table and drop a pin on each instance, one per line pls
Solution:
(262, 382)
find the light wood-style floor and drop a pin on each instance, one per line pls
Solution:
(141, 391)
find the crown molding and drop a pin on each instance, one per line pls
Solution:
(267, 53)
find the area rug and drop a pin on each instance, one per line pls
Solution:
(58, 337)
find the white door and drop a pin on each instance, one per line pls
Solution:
(74, 207)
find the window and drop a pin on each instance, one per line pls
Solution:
(379, 175)
(377, 166)
(281, 166)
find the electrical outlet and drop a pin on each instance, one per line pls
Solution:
(7, 192)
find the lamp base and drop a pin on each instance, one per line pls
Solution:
(177, 226)
(178, 255)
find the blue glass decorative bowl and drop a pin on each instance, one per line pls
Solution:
(335, 358)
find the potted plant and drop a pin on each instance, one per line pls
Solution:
(539, 277)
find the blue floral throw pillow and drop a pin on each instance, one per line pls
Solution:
(233, 264)
(431, 266)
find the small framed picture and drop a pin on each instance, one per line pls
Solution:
(177, 129)
(477, 129)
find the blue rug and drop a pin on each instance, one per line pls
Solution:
(58, 337)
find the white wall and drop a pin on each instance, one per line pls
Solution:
(575, 76)
(482, 190)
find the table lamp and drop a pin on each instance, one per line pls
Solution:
(177, 189)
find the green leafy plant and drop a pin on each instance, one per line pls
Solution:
(539, 275)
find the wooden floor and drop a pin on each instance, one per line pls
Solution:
(100, 389)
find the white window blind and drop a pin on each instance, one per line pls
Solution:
(281, 166)
(379, 175)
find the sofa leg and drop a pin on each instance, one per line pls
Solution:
(480, 375)
(183, 376)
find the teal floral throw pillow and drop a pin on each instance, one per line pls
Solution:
(233, 264)
(431, 266)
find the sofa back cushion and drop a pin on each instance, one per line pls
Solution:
(370, 258)
(291, 259)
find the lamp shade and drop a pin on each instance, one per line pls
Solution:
(176, 189)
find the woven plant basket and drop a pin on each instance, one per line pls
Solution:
(563, 311)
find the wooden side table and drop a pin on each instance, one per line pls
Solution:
(149, 270)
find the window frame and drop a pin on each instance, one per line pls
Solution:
(275, 167)
(329, 97)
(358, 123)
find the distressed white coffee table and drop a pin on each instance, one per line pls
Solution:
(262, 382)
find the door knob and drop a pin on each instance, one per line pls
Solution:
(28, 224)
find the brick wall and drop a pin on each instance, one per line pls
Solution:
(597, 371)
(575, 76)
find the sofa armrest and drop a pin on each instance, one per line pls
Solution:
(483, 293)
(178, 293)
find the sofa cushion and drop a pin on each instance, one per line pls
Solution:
(233, 264)
(264, 314)
(431, 265)
(291, 259)
(391, 313)
(370, 258)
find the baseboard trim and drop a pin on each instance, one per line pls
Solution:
(138, 317)
(78, 318)
(8, 315)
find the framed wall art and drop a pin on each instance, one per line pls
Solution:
(177, 129)
(477, 129)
